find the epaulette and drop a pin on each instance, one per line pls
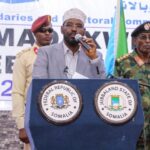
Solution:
(22, 52)
(123, 57)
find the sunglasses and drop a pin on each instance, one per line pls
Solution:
(44, 30)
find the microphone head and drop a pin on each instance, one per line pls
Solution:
(78, 37)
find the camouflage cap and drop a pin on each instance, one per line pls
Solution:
(145, 27)
(40, 22)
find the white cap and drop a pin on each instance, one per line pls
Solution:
(74, 13)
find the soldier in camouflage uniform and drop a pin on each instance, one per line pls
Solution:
(136, 65)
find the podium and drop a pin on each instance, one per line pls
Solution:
(88, 131)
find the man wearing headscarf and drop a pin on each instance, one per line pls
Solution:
(22, 72)
(136, 65)
(67, 58)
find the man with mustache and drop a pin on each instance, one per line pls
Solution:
(67, 58)
(136, 65)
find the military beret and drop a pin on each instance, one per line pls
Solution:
(145, 27)
(40, 22)
(74, 13)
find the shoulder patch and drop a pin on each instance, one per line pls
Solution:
(123, 57)
(22, 52)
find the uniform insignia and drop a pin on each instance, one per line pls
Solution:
(138, 60)
(147, 26)
(35, 50)
(123, 58)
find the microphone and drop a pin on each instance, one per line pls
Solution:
(79, 38)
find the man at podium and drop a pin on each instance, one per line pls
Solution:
(72, 57)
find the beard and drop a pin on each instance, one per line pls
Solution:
(144, 53)
(145, 50)
(70, 41)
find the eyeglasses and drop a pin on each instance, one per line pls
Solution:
(144, 37)
(44, 30)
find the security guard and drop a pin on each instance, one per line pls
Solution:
(136, 65)
(22, 72)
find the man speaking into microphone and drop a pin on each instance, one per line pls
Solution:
(74, 55)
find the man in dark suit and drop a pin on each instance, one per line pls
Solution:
(68, 58)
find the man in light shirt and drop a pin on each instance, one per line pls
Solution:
(22, 72)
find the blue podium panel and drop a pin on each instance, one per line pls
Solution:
(88, 131)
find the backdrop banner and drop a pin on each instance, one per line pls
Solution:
(16, 18)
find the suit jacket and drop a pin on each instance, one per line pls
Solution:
(50, 63)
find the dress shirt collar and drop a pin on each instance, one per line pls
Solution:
(66, 49)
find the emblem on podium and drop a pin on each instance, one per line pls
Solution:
(60, 102)
(115, 102)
